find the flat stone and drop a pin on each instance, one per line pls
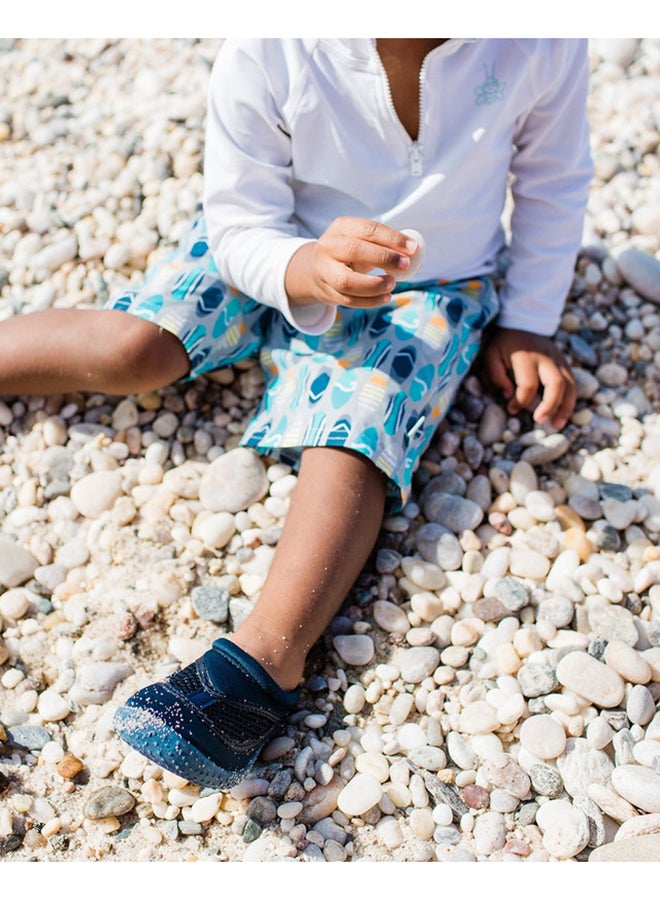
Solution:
(612, 622)
(511, 593)
(642, 271)
(625, 660)
(639, 785)
(109, 801)
(549, 448)
(17, 565)
(636, 826)
(645, 848)
(546, 781)
(360, 794)
(580, 672)
(536, 679)
(640, 705)
(95, 682)
(565, 839)
(30, 737)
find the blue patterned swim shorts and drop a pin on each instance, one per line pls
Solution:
(378, 382)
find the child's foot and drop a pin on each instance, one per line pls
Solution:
(208, 722)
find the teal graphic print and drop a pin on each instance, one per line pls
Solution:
(491, 89)
(378, 382)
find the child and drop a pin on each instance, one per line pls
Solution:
(318, 154)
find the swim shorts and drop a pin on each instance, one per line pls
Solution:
(378, 382)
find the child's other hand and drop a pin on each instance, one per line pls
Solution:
(521, 365)
(337, 269)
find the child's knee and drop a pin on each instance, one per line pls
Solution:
(149, 353)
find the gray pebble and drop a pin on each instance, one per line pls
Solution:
(608, 490)
(612, 622)
(262, 810)
(586, 508)
(511, 592)
(536, 679)
(211, 603)
(438, 545)
(30, 737)
(109, 801)
(546, 781)
(456, 513)
(604, 536)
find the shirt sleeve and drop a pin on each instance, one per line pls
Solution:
(551, 171)
(248, 194)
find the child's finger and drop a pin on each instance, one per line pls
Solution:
(559, 395)
(376, 233)
(350, 288)
(497, 373)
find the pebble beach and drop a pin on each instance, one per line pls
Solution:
(490, 690)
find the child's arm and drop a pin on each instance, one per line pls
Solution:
(520, 364)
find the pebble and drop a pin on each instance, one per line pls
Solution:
(211, 603)
(109, 801)
(233, 481)
(639, 786)
(354, 649)
(97, 492)
(641, 271)
(360, 794)
(580, 672)
(542, 736)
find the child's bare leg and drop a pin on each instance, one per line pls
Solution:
(58, 350)
(331, 527)
(209, 722)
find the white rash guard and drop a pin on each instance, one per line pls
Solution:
(301, 131)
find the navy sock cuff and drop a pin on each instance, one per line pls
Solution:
(250, 665)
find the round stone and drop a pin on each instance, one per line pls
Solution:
(543, 737)
(361, 793)
(511, 593)
(354, 649)
(233, 481)
(97, 492)
(418, 663)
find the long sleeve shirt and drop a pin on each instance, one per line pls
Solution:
(302, 131)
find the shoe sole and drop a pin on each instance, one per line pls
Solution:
(159, 743)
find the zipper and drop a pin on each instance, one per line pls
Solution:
(415, 147)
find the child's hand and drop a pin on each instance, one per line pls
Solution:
(334, 269)
(520, 363)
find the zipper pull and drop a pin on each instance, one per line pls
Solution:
(415, 159)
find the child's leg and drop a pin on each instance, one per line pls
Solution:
(331, 527)
(58, 350)
(209, 721)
